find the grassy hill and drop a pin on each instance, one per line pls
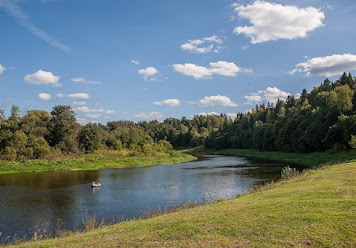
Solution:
(316, 209)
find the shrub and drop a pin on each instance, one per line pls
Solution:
(288, 172)
(117, 145)
(352, 142)
(40, 147)
(10, 153)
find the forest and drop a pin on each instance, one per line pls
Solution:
(323, 119)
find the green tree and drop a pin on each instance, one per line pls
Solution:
(88, 138)
(63, 129)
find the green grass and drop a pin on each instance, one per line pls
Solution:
(315, 209)
(95, 161)
(308, 160)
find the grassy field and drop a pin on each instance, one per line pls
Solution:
(315, 209)
(94, 161)
(307, 160)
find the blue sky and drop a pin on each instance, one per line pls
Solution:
(141, 60)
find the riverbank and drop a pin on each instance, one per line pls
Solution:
(306, 160)
(95, 161)
(315, 209)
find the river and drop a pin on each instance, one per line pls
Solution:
(31, 202)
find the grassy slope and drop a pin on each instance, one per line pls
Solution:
(316, 209)
(309, 160)
(96, 161)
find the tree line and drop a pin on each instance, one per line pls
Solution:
(38, 134)
(323, 119)
(320, 120)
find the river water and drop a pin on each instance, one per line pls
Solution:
(31, 202)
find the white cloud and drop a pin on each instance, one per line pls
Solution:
(85, 109)
(205, 114)
(2, 69)
(60, 95)
(83, 121)
(170, 102)
(222, 68)
(42, 77)
(136, 62)
(198, 72)
(218, 100)
(79, 103)
(270, 94)
(14, 10)
(271, 21)
(83, 80)
(44, 96)
(94, 116)
(253, 98)
(148, 73)
(232, 115)
(151, 116)
(203, 45)
(327, 66)
(79, 95)
(191, 102)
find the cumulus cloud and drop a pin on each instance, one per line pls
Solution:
(79, 103)
(60, 95)
(151, 116)
(83, 80)
(79, 95)
(232, 115)
(222, 68)
(203, 45)
(204, 114)
(271, 21)
(327, 66)
(85, 109)
(2, 69)
(270, 94)
(13, 9)
(44, 96)
(148, 73)
(196, 71)
(170, 102)
(136, 62)
(42, 77)
(253, 98)
(94, 116)
(217, 100)
(83, 121)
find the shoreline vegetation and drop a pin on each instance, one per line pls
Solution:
(314, 209)
(100, 159)
(306, 160)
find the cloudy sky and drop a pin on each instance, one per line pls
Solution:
(141, 60)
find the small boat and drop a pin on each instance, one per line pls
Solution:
(96, 184)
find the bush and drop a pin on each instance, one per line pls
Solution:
(352, 142)
(147, 149)
(288, 172)
(40, 147)
(165, 145)
(117, 145)
(10, 153)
